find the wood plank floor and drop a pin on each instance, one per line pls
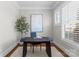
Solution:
(56, 51)
(37, 52)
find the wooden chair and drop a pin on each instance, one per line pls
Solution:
(33, 34)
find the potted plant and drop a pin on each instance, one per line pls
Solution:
(22, 25)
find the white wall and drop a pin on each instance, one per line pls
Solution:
(70, 47)
(47, 20)
(8, 37)
(65, 46)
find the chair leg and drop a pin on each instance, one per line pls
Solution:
(30, 47)
(40, 47)
(33, 49)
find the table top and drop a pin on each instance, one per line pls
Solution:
(29, 39)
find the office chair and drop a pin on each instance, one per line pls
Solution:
(33, 35)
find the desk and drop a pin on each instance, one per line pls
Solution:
(45, 40)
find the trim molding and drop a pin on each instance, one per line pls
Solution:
(12, 51)
(61, 51)
(8, 49)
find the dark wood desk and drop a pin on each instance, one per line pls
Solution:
(45, 40)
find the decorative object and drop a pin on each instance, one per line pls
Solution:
(22, 25)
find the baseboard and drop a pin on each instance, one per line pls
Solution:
(12, 51)
(8, 50)
(61, 51)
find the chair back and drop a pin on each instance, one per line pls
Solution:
(33, 34)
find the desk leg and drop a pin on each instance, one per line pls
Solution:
(48, 49)
(24, 49)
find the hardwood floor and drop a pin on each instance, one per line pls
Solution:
(53, 45)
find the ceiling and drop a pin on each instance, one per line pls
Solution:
(38, 4)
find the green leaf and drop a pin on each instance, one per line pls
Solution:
(22, 25)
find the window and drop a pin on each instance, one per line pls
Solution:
(70, 22)
(57, 17)
(36, 23)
